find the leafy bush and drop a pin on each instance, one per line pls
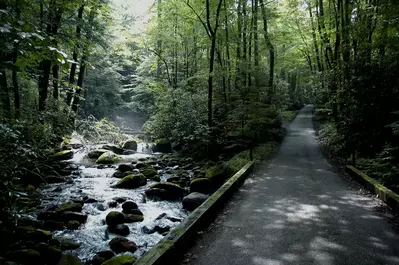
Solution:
(331, 138)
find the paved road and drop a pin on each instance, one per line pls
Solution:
(296, 210)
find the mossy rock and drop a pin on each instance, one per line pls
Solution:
(26, 256)
(114, 218)
(114, 148)
(218, 172)
(30, 233)
(142, 159)
(130, 145)
(65, 243)
(131, 182)
(165, 191)
(163, 146)
(120, 260)
(193, 200)
(108, 158)
(133, 218)
(202, 185)
(156, 178)
(69, 206)
(148, 172)
(96, 153)
(173, 179)
(63, 155)
(179, 172)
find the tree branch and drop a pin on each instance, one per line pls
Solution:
(199, 18)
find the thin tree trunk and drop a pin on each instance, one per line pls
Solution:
(316, 46)
(5, 96)
(56, 69)
(238, 48)
(227, 53)
(75, 57)
(256, 43)
(17, 100)
(82, 70)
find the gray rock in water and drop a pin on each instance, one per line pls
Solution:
(121, 229)
(193, 200)
(121, 244)
(102, 257)
(125, 167)
(129, 206)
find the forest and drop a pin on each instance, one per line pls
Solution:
(216, 80)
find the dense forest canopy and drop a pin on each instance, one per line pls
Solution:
(212, 77)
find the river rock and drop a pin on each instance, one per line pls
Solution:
(67, 259)
(65, 243)
(108, 158)
(52, 225)
(125, 167)
(165, 191)
(112, 204)
(173, 179)
(120, 199)
(122, 230)
(131, 182)
(193, 200)
(148, 172)
(121, 244)
(217, 174)
(102, 257)
(130, 145)
(133, 218)
(26, 256)
(162, 228)
(128, 152)
(69, 207)
(201, 185)
(96, 153)
(63, 155)
(114, 218)
(129, 206)
(114, 148)
(140, 165)
(30, 233)
(73, 225)
(69, 216)
(118, 174)
(50, 254)
(120, 260)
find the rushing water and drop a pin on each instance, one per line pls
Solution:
(95, 182)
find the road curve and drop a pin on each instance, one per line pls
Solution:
(296, 210)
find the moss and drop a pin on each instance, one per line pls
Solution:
(120, 260)
(149, 172)
(162, 141)
(131, 182)
(108, 158)
(96, 153)
(63, 155)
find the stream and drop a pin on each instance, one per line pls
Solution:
(94, 182)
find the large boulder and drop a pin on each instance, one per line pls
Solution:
(130, 145)
(193, 200)
(121, 244)
(69, 206)
(131, 182)
(114, 218)
(120, 260)
(63, 155)
(122, 230)
(108, 158)
(165, 191)
(96, 153)
(114, 148)
(163, 146)
(50, 254)
(202, 185)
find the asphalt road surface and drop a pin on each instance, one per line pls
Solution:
(296, 210)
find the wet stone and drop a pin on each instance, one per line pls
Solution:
(121, 244)
(121, 229)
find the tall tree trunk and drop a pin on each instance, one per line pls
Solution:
(238, 47)
(75, 56)
(316, 46)
(271, 51)
(17, 99)
(53, 23)
(56, 92)
(5, 96)
(82, 70)
(256, 43)
(227, 46)
(244, 42)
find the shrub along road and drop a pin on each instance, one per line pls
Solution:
(297, 210)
